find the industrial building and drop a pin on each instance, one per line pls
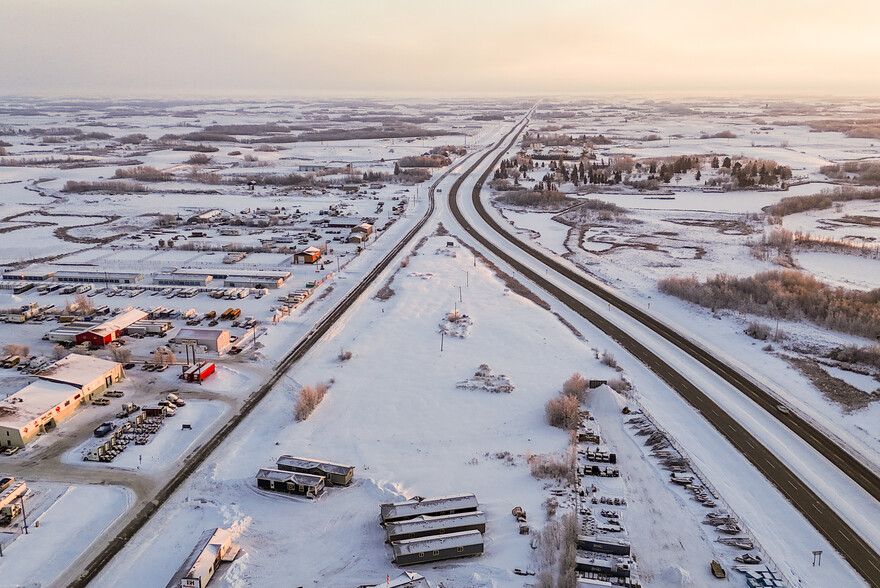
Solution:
(343, 222)
(610, 565)
(70, 332)
(40, 406)
(364, 228)
(214, 546)
(437, 547)
(417, 506)
(215, 340)
(110, 330)
(603, 544)
(34, 274)
(182, 280)
(208, 216)
(152, 327)
(425, 526)
(231, 278)
(308, 255)
(290, 482)
(253, 282)
(98, 277)
(334, 474)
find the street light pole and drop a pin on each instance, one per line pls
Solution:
(23, 513)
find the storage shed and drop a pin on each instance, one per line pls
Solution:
(417, 506)
(307, 255)
(290, 482)
(333, 473)
(437, 547)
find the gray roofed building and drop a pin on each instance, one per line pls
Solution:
(290, 482)
(334, 473)
(437, 547)
(441, 505)
(424, 526)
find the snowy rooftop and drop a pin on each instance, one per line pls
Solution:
(199, 334)
(405, 580)
(77, 370)
(436, 542)
(428, 523)
(120, 322)
(33, 401)
(307, 464)
(419, 506)
(205, 552)
(281, 476)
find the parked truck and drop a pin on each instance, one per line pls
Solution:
(104, 429)
(127, 409)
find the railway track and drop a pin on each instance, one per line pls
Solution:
(200, 455)
(857, 552)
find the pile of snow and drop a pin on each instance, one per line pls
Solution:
(457, 325)
(485, 379)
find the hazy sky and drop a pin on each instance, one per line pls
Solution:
(452, 47)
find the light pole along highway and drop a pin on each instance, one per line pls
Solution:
(858, 553)
(200, 455)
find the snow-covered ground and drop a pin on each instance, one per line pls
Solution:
(63, 522)
(394, 411)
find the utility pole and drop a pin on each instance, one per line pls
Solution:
(442, 333)
(459, 294)
(23, 513)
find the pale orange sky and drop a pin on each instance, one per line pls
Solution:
(363, 47)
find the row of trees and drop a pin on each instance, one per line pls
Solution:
(784, 294)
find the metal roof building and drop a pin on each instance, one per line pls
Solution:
(441, 505)
(425, 526)
(211, 339)
(290, 482)
(98, 277)
(437, 547)
(334, 473)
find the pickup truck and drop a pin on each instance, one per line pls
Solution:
(104, 429)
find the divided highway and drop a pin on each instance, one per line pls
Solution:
(200, 455)
(858, 553)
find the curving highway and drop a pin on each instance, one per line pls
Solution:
(858, 553)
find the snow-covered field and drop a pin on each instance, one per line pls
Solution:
(394, 410)
(63, 522)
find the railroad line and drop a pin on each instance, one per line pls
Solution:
(200, 455)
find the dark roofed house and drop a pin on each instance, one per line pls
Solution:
(333, 473)
(417, 506)
(437, 547)
(290, 482)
